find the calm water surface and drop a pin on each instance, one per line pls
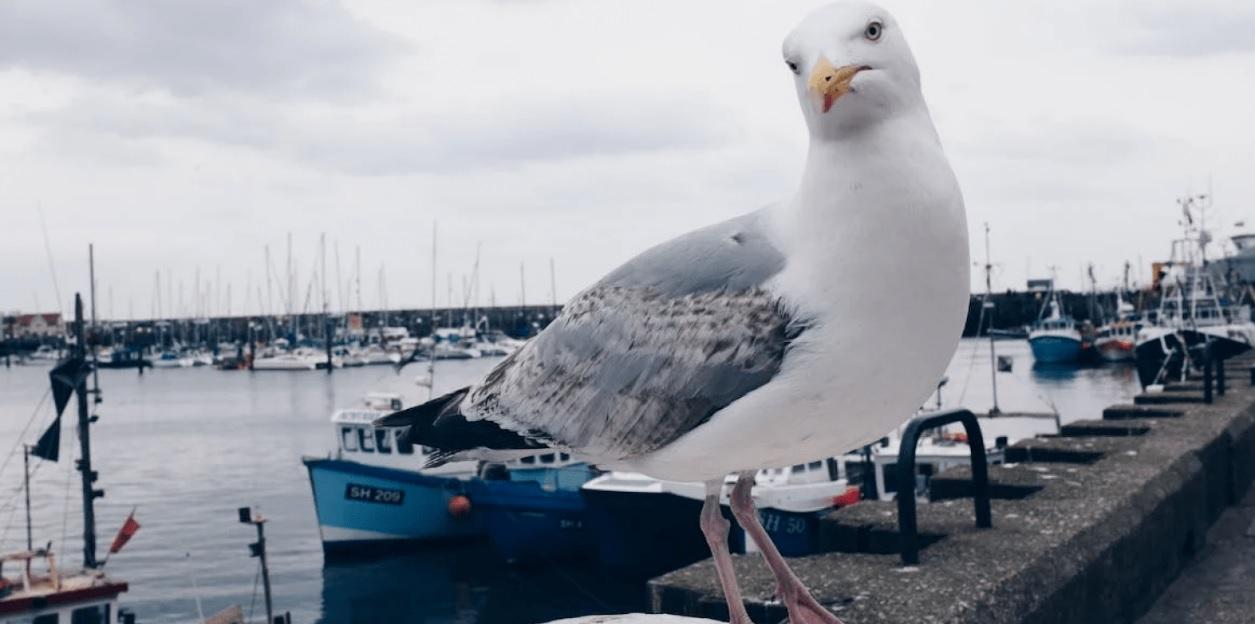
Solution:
(189, 446)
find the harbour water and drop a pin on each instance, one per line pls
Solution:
(189, 446)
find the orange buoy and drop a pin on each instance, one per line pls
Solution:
(459, 506)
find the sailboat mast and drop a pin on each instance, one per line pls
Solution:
(431, 358)
(85, 447)
(993, 359)
(26, 485)
(91, 274)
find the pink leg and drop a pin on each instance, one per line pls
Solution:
(803, 608)
(715, 528)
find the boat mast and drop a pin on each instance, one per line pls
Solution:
(431, 356)
(91, 274)
(988, 304)
(85, 448)
(26, 485)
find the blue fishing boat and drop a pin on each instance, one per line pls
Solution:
(370, 494)
(532, 510)
(1054, 337)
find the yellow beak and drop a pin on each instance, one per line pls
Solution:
(829, 83)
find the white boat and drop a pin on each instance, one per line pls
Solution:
(455, 343)
(54, 595)
(933, 455)
(374, 354)
(297, 359)
(44, 354)
(171, 359)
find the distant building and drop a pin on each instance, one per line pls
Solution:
(1040, 285)
(38, 325)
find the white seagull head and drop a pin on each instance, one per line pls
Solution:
(852, 68)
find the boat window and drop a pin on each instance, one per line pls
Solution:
(891, 477)
(563, 457)
(365, 441)
(815, 465)
(530, 459)
(396, 404)
(799, 467)
(47, 618)
(383, 441)
(547, 458)
(95, 614)
(347, 441)
(404, 446)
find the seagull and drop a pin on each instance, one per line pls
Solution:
(785, 335)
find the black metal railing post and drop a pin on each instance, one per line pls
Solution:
(908, 529)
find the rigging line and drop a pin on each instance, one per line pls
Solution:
(52, 267)
(13, 512)
(22, 436)
(971, 365)
(65, 509)
(253, 601)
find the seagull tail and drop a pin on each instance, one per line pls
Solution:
(446, 434)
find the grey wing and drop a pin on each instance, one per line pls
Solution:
(651, 351)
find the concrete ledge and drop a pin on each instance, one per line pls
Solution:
(1166, 397)
(1092, 542)
(1121, 412)
(1104, 428)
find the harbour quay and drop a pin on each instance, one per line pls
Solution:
(1093, 524)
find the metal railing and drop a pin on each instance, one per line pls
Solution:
(908, 528)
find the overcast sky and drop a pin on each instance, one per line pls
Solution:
(189, 135)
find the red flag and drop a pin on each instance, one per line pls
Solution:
(124, 534)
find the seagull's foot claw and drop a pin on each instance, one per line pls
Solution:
(804, 609)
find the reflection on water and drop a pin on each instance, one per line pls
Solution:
(188, 446)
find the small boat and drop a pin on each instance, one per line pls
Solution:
(122, 358)
(171, 359)
(52, 594)
(44, 354)
(1054, 337)
(873, 466)
(371, 493)
(455, 343)
(532, 509)
(1116, 341)
(298, 359)
(629, 514)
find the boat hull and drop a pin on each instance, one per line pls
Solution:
(531, 524)
(628, 527)
(1051, 349)
(362, 509)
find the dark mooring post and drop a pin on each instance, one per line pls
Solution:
(258, 549)
(84, 442)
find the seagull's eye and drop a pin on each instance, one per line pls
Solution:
(792, 66)
(873, 31)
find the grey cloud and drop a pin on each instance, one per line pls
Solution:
(280, 47)
(515, 134)
(1193, 30)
